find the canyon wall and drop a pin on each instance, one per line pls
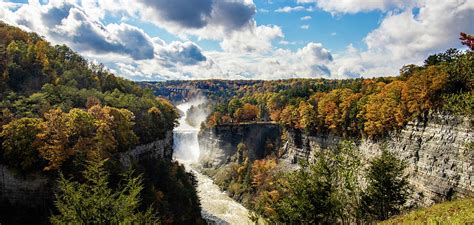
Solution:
(439, 154)
(219, 144)
(439, 151)
(31, 189)
(159, 149)
(37, 189)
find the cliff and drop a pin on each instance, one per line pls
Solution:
(218, 144)
(159, 149)
(32, 189)
(438, 152)
(37, 189)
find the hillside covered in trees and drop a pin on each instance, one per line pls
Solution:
(59, 113)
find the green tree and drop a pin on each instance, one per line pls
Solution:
(307, 117)
(233, 105)
(386, 110)
(387, 188)
(20, 144)
(325, 192)
(94, 202)
(423, 89)
(122, 122)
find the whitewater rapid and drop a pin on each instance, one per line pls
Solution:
(217, 207)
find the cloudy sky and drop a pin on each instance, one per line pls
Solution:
(248, 39)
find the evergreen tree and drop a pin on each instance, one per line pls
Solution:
(94, 202)
(324, 192)
(387, 189)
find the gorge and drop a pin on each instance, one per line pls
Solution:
(440, 161)
(436, 171)
(81, 145)
(217, 207)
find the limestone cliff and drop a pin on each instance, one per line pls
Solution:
(32, 189)
(438, 151)
(37, 189)
(159, 149)
(218, 144)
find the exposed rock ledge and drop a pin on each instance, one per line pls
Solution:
(159, 149)
(218, 144)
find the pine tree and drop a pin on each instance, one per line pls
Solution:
(94, 202)
(387, 189)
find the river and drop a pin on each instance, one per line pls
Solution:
(217, 207)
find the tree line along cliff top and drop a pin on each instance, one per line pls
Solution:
(348, 107)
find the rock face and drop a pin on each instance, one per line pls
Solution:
(37, 189)
(33, 189)
(159, 149)
(218, 144)
(438, 152)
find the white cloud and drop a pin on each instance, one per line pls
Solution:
(289, 9)
(314, 53)
(406, 34)
(258, 39)
(354, 6)
(305, 18)
(68, 23)
(310, 61)
(284, 42)
(129, 51)
(406, 38)
(9, 5)
(207, 19)
(230, 22)
(248, 49)
(180, 53)
(305, 27)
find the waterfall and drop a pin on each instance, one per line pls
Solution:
(217, 207)
(186, 146)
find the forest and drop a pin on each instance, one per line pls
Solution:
(65, 117)
(329, 190)
(352, 107)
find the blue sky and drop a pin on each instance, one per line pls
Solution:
(247, 39)
(336, 32)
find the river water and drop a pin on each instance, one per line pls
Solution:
(217, 207)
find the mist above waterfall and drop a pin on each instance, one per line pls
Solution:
(186, 146)
(194, 112)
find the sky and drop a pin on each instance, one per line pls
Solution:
(157, 40)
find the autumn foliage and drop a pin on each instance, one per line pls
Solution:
(356, 107)
(56, 106)
(467, 40)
